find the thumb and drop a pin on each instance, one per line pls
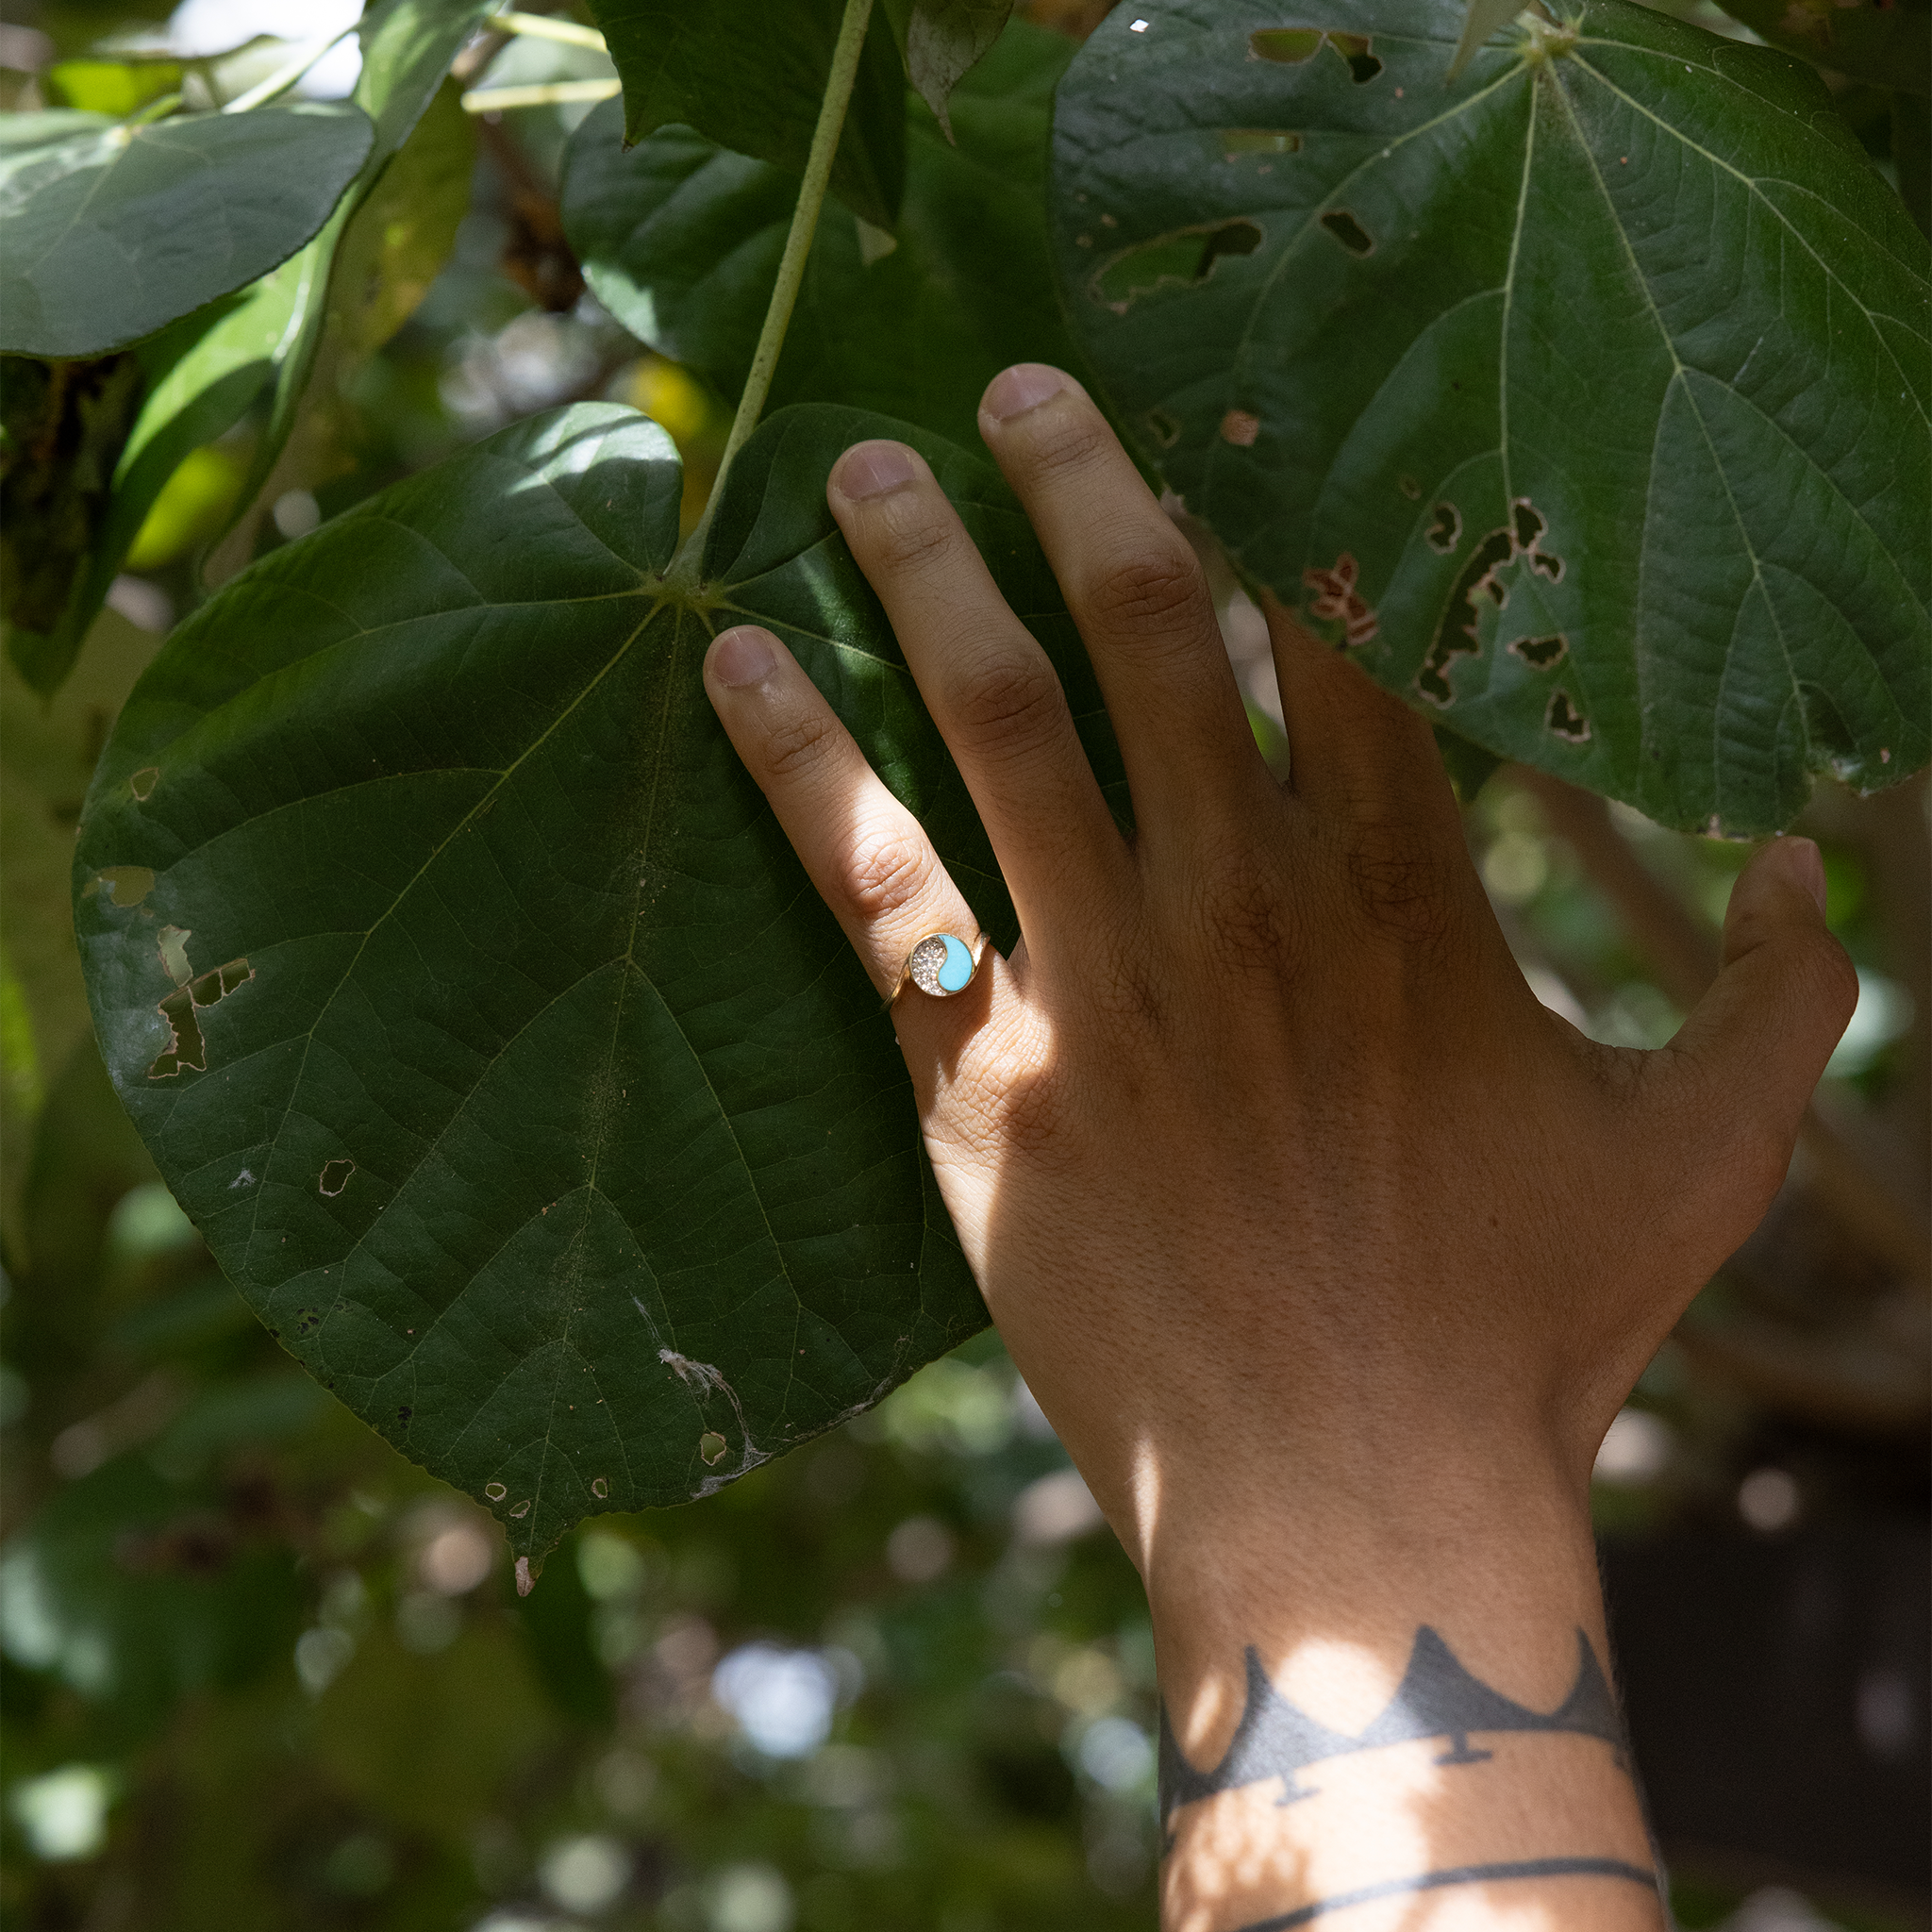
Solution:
(1756, 1042)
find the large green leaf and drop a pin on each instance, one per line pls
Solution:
(407, 48)
(1585, 400)
(680, 241)
(111, 235)
(472, 1003)
(750, 76)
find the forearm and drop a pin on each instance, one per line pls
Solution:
(1392, 1710)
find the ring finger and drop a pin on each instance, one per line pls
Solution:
(867, 855)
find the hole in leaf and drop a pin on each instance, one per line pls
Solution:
(1241, 428)
(221, 982)
(712, 1446)
(1565, 720)
(1354, 48)
(1291, 46)
(1455, 635)
(1183, 259)
(1348, 231)
(172, 944)
(187, 1049)
(127, 885)
(1336, 599)
(1445, 531)
(599, 1488)
(1530, 526)
(144, 782)
(335, 1177)
(522, 1508)
(1163, 428)
(1236, 142)
(1541, 653)
(495, 1492)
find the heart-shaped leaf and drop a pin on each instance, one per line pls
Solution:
(680, 240)
(750, 75)
(111, 235)
(473, 1005)
(1584, 400)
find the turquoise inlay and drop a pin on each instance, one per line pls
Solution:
(957, 974)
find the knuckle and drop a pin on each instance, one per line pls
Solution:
(1151, 594)
(1033, 1109)
(1005, 704)
(1243, 912)
(909, 536)
(888, 870)
(1013, 1094)
(1399, 883)
(1064, 439)
(1125, 1000)
(800, 742)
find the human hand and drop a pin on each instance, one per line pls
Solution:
(1328, 1251)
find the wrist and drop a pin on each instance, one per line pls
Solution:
(1373, 1683)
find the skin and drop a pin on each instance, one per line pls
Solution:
(1330, 1251)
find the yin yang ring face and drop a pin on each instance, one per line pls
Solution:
(941, 964)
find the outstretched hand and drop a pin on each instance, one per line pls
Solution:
(1330, 1251)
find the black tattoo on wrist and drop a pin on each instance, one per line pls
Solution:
(1458, 1874)
(1437, 1698)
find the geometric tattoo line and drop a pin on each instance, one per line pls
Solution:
(1437, 1698)
(1460, 1875)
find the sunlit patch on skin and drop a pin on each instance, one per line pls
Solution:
(1392, 1817)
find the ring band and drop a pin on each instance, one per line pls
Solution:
(941, 964)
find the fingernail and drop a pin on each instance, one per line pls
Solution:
(738, 658)
(1023, 387)
(1803, 866)
(873, 468)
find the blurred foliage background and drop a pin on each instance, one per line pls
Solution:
(256, 1671)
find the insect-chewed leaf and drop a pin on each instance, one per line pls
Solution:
(478, 1011)
(1584, 400)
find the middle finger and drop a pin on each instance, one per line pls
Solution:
(990, 687)
(1140, 599)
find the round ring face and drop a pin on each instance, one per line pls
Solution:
(941, 965)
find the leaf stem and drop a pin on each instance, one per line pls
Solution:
(549, 93)
(791, 264)
(285, 77)
(541, 26)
